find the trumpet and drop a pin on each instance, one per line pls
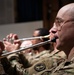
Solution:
(22, 49)
(31, 38)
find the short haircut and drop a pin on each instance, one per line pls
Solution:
(43, 32)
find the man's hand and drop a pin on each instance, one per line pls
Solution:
(11, 46)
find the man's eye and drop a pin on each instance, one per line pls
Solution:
(58, 21)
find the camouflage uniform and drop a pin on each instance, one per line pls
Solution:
(36, 57)
(43, 61)
(5, 67)
(65, 68)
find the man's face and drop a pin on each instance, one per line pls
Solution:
(35, 34)
(64, 27)
(36, 41)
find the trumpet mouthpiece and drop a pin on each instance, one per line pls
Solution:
(54, 39)
(46, 36)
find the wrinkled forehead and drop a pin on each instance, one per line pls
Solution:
(66, 12)
(63, 14)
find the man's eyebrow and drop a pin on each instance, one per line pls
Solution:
(56, 18)
(59, 19)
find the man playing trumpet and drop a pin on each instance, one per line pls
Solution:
(44, 59)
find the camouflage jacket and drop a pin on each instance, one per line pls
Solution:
(65, 68)
(5, 67)
(42, 62)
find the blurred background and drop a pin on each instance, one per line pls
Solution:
(23, 16)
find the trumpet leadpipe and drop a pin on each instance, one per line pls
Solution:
(31, 38)
(22, 49)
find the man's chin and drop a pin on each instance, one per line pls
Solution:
(58, 45)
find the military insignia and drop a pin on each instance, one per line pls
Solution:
(40, 67)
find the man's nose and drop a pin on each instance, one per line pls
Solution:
(52, 30)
